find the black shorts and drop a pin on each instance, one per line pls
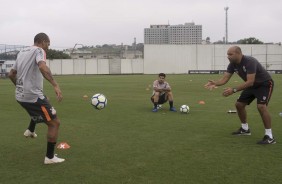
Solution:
(261, 92)
(40, 111)
(162, 99)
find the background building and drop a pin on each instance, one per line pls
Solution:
(156, 34)
(189, 33)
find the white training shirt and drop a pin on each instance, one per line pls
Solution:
(29, 85)
(164, 85)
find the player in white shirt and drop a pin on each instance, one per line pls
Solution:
(162, 93)
(27, 75)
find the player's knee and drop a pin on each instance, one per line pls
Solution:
(239, 105)
(156, 94)
(58, 122)
(261, 107)
(55, 123)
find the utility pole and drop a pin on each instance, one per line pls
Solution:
(226, 24)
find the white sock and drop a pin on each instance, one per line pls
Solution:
(269, 133)
(245, 126)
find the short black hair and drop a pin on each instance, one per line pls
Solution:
(40, 37)
(162, 74)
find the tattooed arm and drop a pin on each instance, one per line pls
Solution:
(46, 72)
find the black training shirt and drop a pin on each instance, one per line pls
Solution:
(249, 65)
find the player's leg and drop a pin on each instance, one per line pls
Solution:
(31, 110)
(265, 116)
(263, 95)
(52, 136)
(155, 100)
(30, 131)
(241, 110)
(246, 97)
(48, 113)
(170, 100)
(42, 111)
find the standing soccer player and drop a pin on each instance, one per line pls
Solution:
(257, 84)
(162, 92)
(27, 75)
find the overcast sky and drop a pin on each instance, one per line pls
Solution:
(97, 22)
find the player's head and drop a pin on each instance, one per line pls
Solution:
(161, 77)
(42, 40)
(234, 54)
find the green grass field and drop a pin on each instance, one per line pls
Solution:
(127, 143)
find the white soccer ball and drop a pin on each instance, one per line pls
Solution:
(99, 101)
(184, 109)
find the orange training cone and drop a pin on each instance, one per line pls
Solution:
(202, 102)
(63, 145)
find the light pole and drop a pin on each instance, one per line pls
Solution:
(226, 24)
(75, 46)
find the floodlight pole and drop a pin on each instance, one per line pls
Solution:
(75, 46)
(226, 24)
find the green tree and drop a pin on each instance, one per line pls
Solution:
(140, 47)
(55, 54)
(251, 40)
(5, 56)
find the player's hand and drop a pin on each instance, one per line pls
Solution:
(227, 92)
(210, 85)
(58, 93)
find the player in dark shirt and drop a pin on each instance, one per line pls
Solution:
(257, 84)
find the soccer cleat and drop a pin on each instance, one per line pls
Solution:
(267, 140)
(173, 109)
(242, 131)
(155, 110)
(53, 160)
(28, 133)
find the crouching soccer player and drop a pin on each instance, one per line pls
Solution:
(162, 93)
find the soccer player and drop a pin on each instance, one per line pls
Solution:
(27, 75)
(162, 93)
(257, 84)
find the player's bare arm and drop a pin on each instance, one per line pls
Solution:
(212, 84)
(46, 72)
(167, 89)
(250, 82)
(162, 89)
(13, 76)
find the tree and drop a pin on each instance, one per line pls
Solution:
(251, 40)
(140, 47)
(5, 56)
(219, 42)
(55, 54)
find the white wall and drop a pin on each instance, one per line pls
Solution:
(182, 58)
(132, 66)
(172, 59)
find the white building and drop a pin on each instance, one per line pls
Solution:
(156, 34)
(189, 33)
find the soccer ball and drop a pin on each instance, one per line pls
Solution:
(184, 109)
(99, 101)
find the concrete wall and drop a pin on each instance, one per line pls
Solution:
(96, 66)
(172, 59)
(182, 58)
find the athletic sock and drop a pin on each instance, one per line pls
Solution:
(50, 149)
(155, 105)
(269, 133)
(171, 104)
(245, 126)
(31, 126)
